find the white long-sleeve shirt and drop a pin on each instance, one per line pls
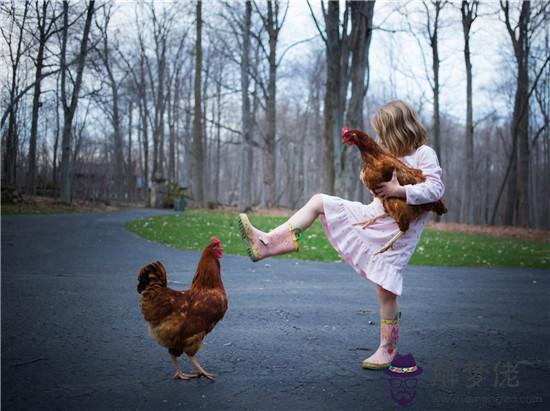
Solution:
(431, 190)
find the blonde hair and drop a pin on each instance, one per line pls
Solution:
(399, 128)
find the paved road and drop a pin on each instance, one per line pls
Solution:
(293, 338)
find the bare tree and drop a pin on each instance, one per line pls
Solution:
(69, 106)
(16, 29)
(105, 52)
(45, 31)
(517, 173)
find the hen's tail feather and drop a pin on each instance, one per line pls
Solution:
(155, 267)
(440, 208)
(152, 272)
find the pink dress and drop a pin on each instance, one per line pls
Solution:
(356, 245)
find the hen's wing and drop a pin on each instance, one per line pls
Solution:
(207, 307)
(405, 174)
(204, 310)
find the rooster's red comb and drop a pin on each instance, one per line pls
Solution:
(215, 240)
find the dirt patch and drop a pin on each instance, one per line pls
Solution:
(26, 204)
(80, 205)
(529, 234)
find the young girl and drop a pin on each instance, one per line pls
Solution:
(401, 133)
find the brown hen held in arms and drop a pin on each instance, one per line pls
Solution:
(378, 167)
(179, 320)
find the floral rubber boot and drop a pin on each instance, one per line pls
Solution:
(281, 240)
(389, 337)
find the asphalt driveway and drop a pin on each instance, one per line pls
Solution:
(293, 338)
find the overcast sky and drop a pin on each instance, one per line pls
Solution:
(396, 57)
(397, 68)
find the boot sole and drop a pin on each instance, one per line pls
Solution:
(246, 235)
(372, 366)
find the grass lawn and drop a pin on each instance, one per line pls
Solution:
(192, 230)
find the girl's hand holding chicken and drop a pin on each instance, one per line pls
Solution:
(390, 188)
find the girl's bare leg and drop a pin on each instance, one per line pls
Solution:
(306, 215)
(388, 303)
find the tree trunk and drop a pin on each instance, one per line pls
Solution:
(331, 106)
(130, 166)
(218, 162)
(337, 57)
(198, 155)
(117, 137)
(56, 141)
(517, 193)
(469, 14)
(245, 169)
(31, 173)
(434, 43)
(270, 144)
(173, 115)
(521, 118)
(361, 35)
(144, 115)
(343, 73)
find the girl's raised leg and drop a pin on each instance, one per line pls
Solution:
(283, 239)
(306, 215)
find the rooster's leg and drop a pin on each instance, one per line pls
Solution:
(390, 243)
(200, 370)
(179, 374)
(368, 222)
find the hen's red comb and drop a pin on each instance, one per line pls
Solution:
(215, 240)
(344, 131)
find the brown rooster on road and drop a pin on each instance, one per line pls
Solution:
(179, 320)
(378, 167)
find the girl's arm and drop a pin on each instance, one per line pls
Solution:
(432, 189)
(429, 191)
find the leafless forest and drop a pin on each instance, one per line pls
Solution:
(133, 101)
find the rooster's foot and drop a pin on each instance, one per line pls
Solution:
(198, 374)
(179, 375)
(200, 371)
